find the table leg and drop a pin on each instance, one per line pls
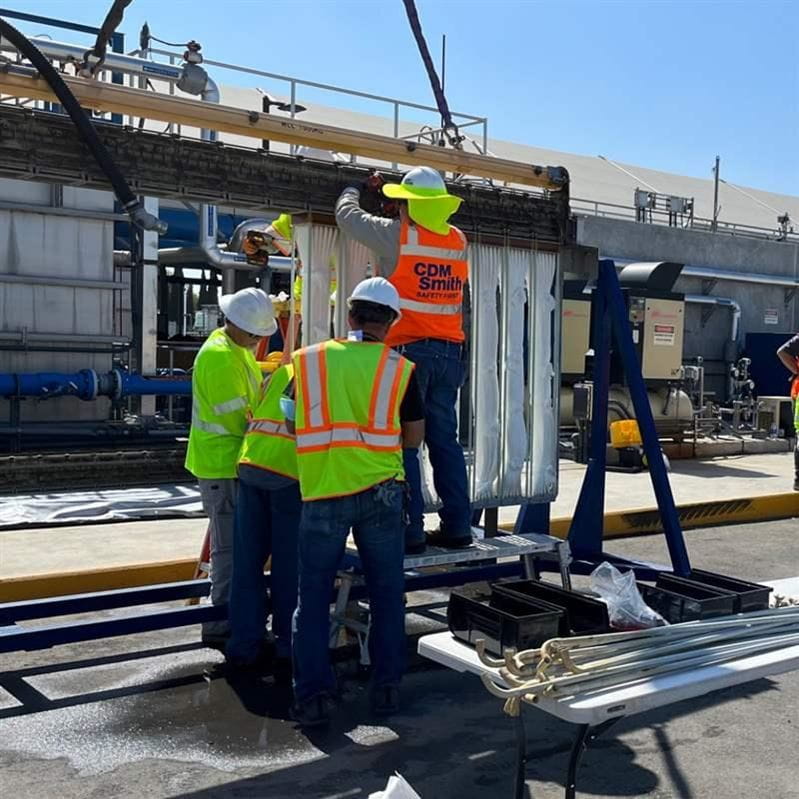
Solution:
(586, 735)
(521, 756)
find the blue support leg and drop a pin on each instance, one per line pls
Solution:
(587, 527)
(643, 414)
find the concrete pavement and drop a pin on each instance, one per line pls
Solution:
(135, 717)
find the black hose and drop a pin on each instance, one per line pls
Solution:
(107, 29)
(450, 128)
(130, 203)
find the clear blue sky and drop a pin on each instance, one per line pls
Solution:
(664, 84)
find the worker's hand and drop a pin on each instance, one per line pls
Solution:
(374, 182)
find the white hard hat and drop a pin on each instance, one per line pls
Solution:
(251, 310)
(378, 291)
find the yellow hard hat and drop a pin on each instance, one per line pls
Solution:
(429, 203)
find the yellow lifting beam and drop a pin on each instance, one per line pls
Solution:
(112, 98)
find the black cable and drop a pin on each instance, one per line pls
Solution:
(130, 203)
(168, 44)
(107, 29)
(450, 128)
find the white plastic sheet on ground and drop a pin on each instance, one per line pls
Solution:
(397, 788)
(123, 504)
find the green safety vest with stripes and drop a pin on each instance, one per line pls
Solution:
(348, 431)
(267, 442)
(225, 386)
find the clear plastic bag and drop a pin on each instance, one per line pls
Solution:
(397, 788)
(626, 608)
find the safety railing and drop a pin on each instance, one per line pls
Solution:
(395, 105)
(580, 205)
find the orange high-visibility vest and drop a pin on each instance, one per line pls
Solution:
(431, 273)
(348, 430)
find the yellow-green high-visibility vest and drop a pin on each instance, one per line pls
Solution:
(348, 432)
(267, 442)
(225, 386)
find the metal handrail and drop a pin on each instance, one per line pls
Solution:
(295, 82)
(696, 223)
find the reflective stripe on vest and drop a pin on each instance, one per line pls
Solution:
(430, 276)
(268, 427)
(348, 428)
(268, 444)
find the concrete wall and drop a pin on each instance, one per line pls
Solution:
(707, 335)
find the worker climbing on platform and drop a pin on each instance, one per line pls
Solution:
(425, 258)
(788, 353)
(357, 404)
(266, 524)
(226, 383)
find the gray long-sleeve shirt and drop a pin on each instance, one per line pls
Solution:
(380, 235)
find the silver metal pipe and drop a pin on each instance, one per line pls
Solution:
(53, 210)
(65, 282)
(61, 51)
(723, 302)
(23, 336)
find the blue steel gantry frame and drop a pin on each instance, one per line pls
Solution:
(585, 536)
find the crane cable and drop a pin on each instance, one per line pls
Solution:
(450, 128)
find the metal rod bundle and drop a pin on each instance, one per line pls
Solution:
(567, 666)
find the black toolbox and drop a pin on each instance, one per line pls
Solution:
(504, 622)
(688, 602)
(584, 615)
(748, 596)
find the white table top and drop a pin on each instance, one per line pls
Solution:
(598, 706)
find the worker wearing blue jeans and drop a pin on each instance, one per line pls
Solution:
(426, 259)
(266, 524)
(439, 374)
(375, 517)
(357, 405)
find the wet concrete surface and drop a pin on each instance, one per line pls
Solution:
(148, 716)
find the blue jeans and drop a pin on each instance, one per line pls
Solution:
(266, 524)
(440, 373)
(375, 517)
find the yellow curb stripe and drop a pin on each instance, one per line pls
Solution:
(39, 586)
(639, 521)
(643, 521)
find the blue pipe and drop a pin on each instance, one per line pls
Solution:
(133, 385)
(81, 384)
(88, 385)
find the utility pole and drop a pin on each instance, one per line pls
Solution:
(714, 226)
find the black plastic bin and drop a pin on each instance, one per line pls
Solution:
(687, 602)
(504, 622)
(748, 596)
(584, 615)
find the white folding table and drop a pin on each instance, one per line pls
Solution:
(596, 711)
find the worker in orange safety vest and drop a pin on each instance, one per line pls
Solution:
(425, 258)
